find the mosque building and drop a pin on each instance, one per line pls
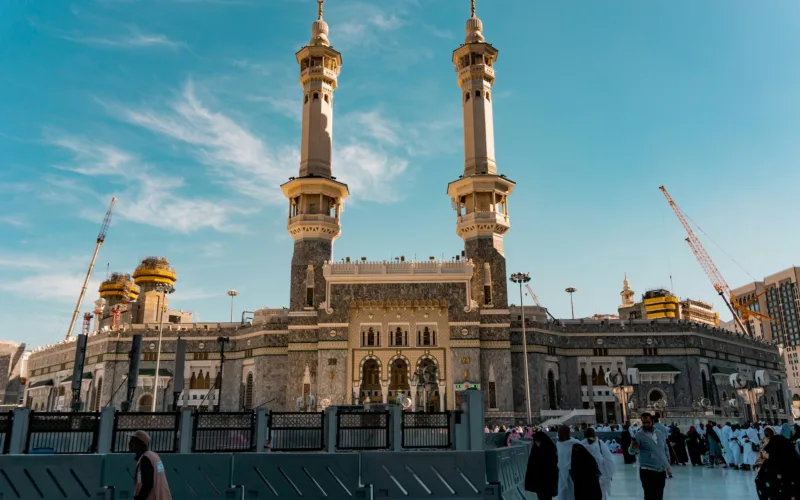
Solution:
(415, 332)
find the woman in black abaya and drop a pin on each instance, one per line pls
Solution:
(541, 476)
(778, 478)
(585, 474)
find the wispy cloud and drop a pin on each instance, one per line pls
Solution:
(55, 286)
(13, 261)
(371, 174)
(236, 157)
(133, 39)
(12, 221)
(144, 201)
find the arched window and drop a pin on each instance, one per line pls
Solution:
(207, 381)
(371, 338)
(98, 394)
(466, 97)
(488, 97)
(316, 96)
(724, 397)
(397, 338)
(601, 377)
(427, 337)
(145, 403)
(327, 98)
(193, 382)
(594, 376)
(248, 392)
(704, 383)
(551, 389)
(477, 93)
(655, 395)
(583, 377)
(305, 101)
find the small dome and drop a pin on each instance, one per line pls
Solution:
(474, 31)
(319, 33)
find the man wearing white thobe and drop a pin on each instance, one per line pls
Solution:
(566, 490)
(602, 455)
(727, 434)
(736, 445)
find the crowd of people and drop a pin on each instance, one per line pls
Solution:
(573, 469)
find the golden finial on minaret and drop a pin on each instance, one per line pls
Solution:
(473, 8)
(319, 8)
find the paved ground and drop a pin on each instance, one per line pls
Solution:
(696, 483)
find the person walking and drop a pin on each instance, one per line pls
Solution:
(625, 444)
(651, 446)
(150, 479)
(777, 479)
(541, 476)
(694, 444)
(605, 461)
(716, 449)
(566, 488)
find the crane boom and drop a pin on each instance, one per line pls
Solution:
(101, 237)
(705, 261)
(536, 301)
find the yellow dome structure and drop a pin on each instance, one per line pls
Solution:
(154, 271)
(118, 288)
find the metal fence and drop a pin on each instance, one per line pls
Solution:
(162, 428)
(362, 430)
(62, 433)
(223, 432)
(296, 431)
(426, 430)
(6, 421)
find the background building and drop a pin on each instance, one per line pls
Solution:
(357, 330)
(660, 303)
(777, 297)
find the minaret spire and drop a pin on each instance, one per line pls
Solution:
(321, 2)
(473, 8)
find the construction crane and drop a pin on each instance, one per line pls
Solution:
(741, 313)
(536, 301)
(101, 237)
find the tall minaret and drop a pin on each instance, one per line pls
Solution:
(480, 196)
(316, 199)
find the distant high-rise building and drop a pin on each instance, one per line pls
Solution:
(777, 297)
(662, 304)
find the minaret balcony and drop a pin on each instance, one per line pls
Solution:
(478, 224)
(314, 226)
(476, 69)
(319, 71)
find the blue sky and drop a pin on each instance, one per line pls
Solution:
(188, 111)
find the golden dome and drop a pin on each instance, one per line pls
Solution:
(119, 286)
(474, 28)
(319, 29)
(154, 270)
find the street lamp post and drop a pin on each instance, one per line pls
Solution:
(520, 279)
(232, 294)
(570, 291)
(163, 289)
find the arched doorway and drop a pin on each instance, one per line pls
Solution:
(398, 379)
(427, 378)
(248, 392)
(655, 395)
(551, 389)
(145, 403)
(370, 382)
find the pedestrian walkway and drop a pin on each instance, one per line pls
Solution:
(696, 483)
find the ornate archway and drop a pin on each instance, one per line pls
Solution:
(398, 378)
(427, 378)
(370, 387)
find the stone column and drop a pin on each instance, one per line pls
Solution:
(385, 391)
(414, 397)
(605, 414)
(589, 384)
(442, 389)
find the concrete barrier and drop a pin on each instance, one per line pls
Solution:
(506, 467)
(427, 475)
(50, 477)
(298, 475)
(196, 477)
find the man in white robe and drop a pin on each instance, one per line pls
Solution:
(566, 490)
(605, 461)
(727, 434)
(736, 445)
(749, 441)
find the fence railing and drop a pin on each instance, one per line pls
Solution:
(426, 430)
(6, 421)
(62, 433)
(362, 430)
(297, 431)
(223, 432)
(162, 428)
